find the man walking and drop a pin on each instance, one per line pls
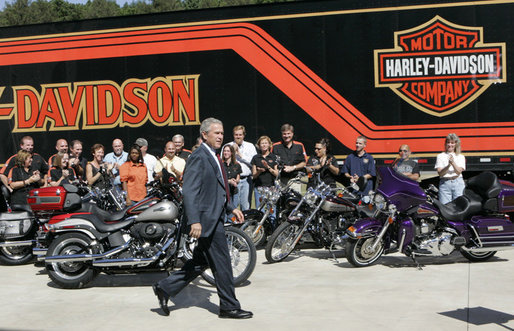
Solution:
(206, 201)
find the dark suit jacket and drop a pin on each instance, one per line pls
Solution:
(204, 191)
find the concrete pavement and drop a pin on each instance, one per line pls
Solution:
(308, 291)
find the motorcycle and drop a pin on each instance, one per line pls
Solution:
(322, 214)
(150, 238)
(258, 223)
(21, 225)
(412, 221)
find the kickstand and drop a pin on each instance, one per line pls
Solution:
(418, 266)
(332, 252)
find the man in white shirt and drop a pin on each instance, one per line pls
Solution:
(245, 151)
(149, 160)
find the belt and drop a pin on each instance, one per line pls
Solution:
(450, 178)
(244, 176)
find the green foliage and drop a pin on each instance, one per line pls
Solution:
(22, 12)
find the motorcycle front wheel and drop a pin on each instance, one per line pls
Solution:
(360, 253)
(250, 226)
(15, 255)
(243, 256)
(281, 242)
(70, 274)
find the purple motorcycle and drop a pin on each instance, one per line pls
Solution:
(411, 220)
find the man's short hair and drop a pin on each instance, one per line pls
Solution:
(239, 127)
(206, 124)
(181, 137)
(76, 141)
(362, 138)
(287, 127)
(22, 141)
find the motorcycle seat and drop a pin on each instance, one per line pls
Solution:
(101, 226)
(103, 215)
(17, 207)
(462, 208)
(485, 184)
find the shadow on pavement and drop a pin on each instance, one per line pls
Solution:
(480, 316)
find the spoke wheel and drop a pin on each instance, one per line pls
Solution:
(360, 252)
(281, 242)
(249, 227)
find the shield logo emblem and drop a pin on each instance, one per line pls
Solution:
(440, 67)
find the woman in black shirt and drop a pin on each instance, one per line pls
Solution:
(264, 167)
(61, 173)
(233, 170)
(21, 179)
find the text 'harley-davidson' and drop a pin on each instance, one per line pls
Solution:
(151, 240)
(411, 220)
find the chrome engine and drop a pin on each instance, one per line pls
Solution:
(433, 244)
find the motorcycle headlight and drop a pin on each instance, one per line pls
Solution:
(310, 198)
(379, 201)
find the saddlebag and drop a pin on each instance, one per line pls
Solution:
(55, 198)
(15, 224)
(493, 231)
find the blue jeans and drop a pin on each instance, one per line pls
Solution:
(243, 189)
(450, 189)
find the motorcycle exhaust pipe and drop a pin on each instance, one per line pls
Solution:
(85, 257)
(125, 262)
(39, 253)
(488, 249)
(141, 262)
(17, 243)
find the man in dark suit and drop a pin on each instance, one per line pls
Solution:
(206, 201)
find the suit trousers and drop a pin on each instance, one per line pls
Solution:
(210, 252)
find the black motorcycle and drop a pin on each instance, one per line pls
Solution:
(259, 223)
(321, 214)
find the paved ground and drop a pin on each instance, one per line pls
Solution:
(307, 292)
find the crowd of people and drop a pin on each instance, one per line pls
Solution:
(248, 166)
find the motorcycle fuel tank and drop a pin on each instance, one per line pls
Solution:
(164, 211)
(334, 204)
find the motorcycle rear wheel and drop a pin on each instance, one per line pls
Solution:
(243, 256)
(281, 242)
(15, 255)
(477, 256)
(359, 253)
(70, 275)
(249, 227)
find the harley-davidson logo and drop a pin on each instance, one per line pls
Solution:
(440, 67)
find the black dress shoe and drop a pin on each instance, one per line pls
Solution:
(161, 297)
(235, 313)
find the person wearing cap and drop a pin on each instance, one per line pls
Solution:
(149, 160)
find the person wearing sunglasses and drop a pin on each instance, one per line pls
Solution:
(323, 162)
(404, 165)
